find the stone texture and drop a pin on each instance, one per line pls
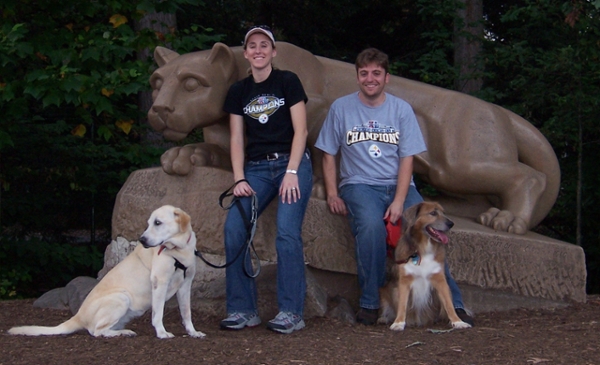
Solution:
(115, 253)
(528, 265)
(327, 238)
(53, 299)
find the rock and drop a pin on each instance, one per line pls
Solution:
(115, 252)
(53, 299)
(342, 311)
(77, 289)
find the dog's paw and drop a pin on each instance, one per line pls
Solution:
(398, 326)
(460, 325)
(196, 334)
(165, 334)
(128, 333)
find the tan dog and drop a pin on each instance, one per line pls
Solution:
(419, 271)
(162, 265)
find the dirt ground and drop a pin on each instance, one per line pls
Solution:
(568, 335)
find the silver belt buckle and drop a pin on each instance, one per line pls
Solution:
(272, 156)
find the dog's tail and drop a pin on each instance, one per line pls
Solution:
(70, 326)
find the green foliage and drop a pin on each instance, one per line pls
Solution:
(434, 63)
(72, 130)
(33, 266)
(545, 58)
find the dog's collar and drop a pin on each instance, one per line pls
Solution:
(415, 258)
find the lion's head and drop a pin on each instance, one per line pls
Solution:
(188, 91)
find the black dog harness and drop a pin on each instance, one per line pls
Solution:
(179, 265)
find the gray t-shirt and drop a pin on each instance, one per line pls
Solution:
(371, 140)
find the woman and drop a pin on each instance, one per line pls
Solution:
(269, 158)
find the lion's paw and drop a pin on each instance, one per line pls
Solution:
(181, 160)
(503, 220)
(177, 160)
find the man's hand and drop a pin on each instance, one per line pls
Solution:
(394, 212)
(336, 205)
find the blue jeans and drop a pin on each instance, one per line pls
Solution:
(265, 177)
(366, 206)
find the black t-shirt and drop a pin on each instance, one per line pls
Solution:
(266, 110)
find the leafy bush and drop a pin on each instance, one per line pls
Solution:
(33, 266)
(72, 129)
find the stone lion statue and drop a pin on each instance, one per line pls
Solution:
(485, 162)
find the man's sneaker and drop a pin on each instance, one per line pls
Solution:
(286, 322)
(464, 316)
(237, 321)
(367, 316)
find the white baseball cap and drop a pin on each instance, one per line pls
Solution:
(260, 29)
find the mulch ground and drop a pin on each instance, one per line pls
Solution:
(568, 335)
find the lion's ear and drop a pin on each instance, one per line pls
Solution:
(164, 55)
(222, 56)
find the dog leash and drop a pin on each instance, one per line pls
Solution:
(250, 229)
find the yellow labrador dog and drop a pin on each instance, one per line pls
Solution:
(164, 264)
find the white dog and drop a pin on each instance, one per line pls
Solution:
(148, 277)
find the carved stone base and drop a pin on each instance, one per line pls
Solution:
(530, 265)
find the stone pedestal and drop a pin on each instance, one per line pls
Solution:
(530, 265)
(328, 243)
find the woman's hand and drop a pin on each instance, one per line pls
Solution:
(242, 189)
(290, 189)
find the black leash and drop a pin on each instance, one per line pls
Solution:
(250, 229)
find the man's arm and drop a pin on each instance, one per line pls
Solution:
(335, 203)
(405, 171)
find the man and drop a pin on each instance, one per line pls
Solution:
(377, 135)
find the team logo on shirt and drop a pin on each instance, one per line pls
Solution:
(372, 131)
(261, 107)
(374, 151)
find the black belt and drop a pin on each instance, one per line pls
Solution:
(276, 156)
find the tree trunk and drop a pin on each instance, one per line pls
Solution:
(468, 32)
(161, 23)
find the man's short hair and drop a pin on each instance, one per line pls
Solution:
(372, 55)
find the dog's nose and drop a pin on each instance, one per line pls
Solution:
(143, 240)
(450, 223)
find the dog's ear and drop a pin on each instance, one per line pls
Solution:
(410, 215)
(182, 218)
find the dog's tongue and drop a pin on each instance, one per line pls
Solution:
(438, 235)
(443, 238)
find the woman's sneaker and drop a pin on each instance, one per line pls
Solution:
(286, 322)
(237, 321)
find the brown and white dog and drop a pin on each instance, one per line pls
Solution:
(162, 265)
(419, 272)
